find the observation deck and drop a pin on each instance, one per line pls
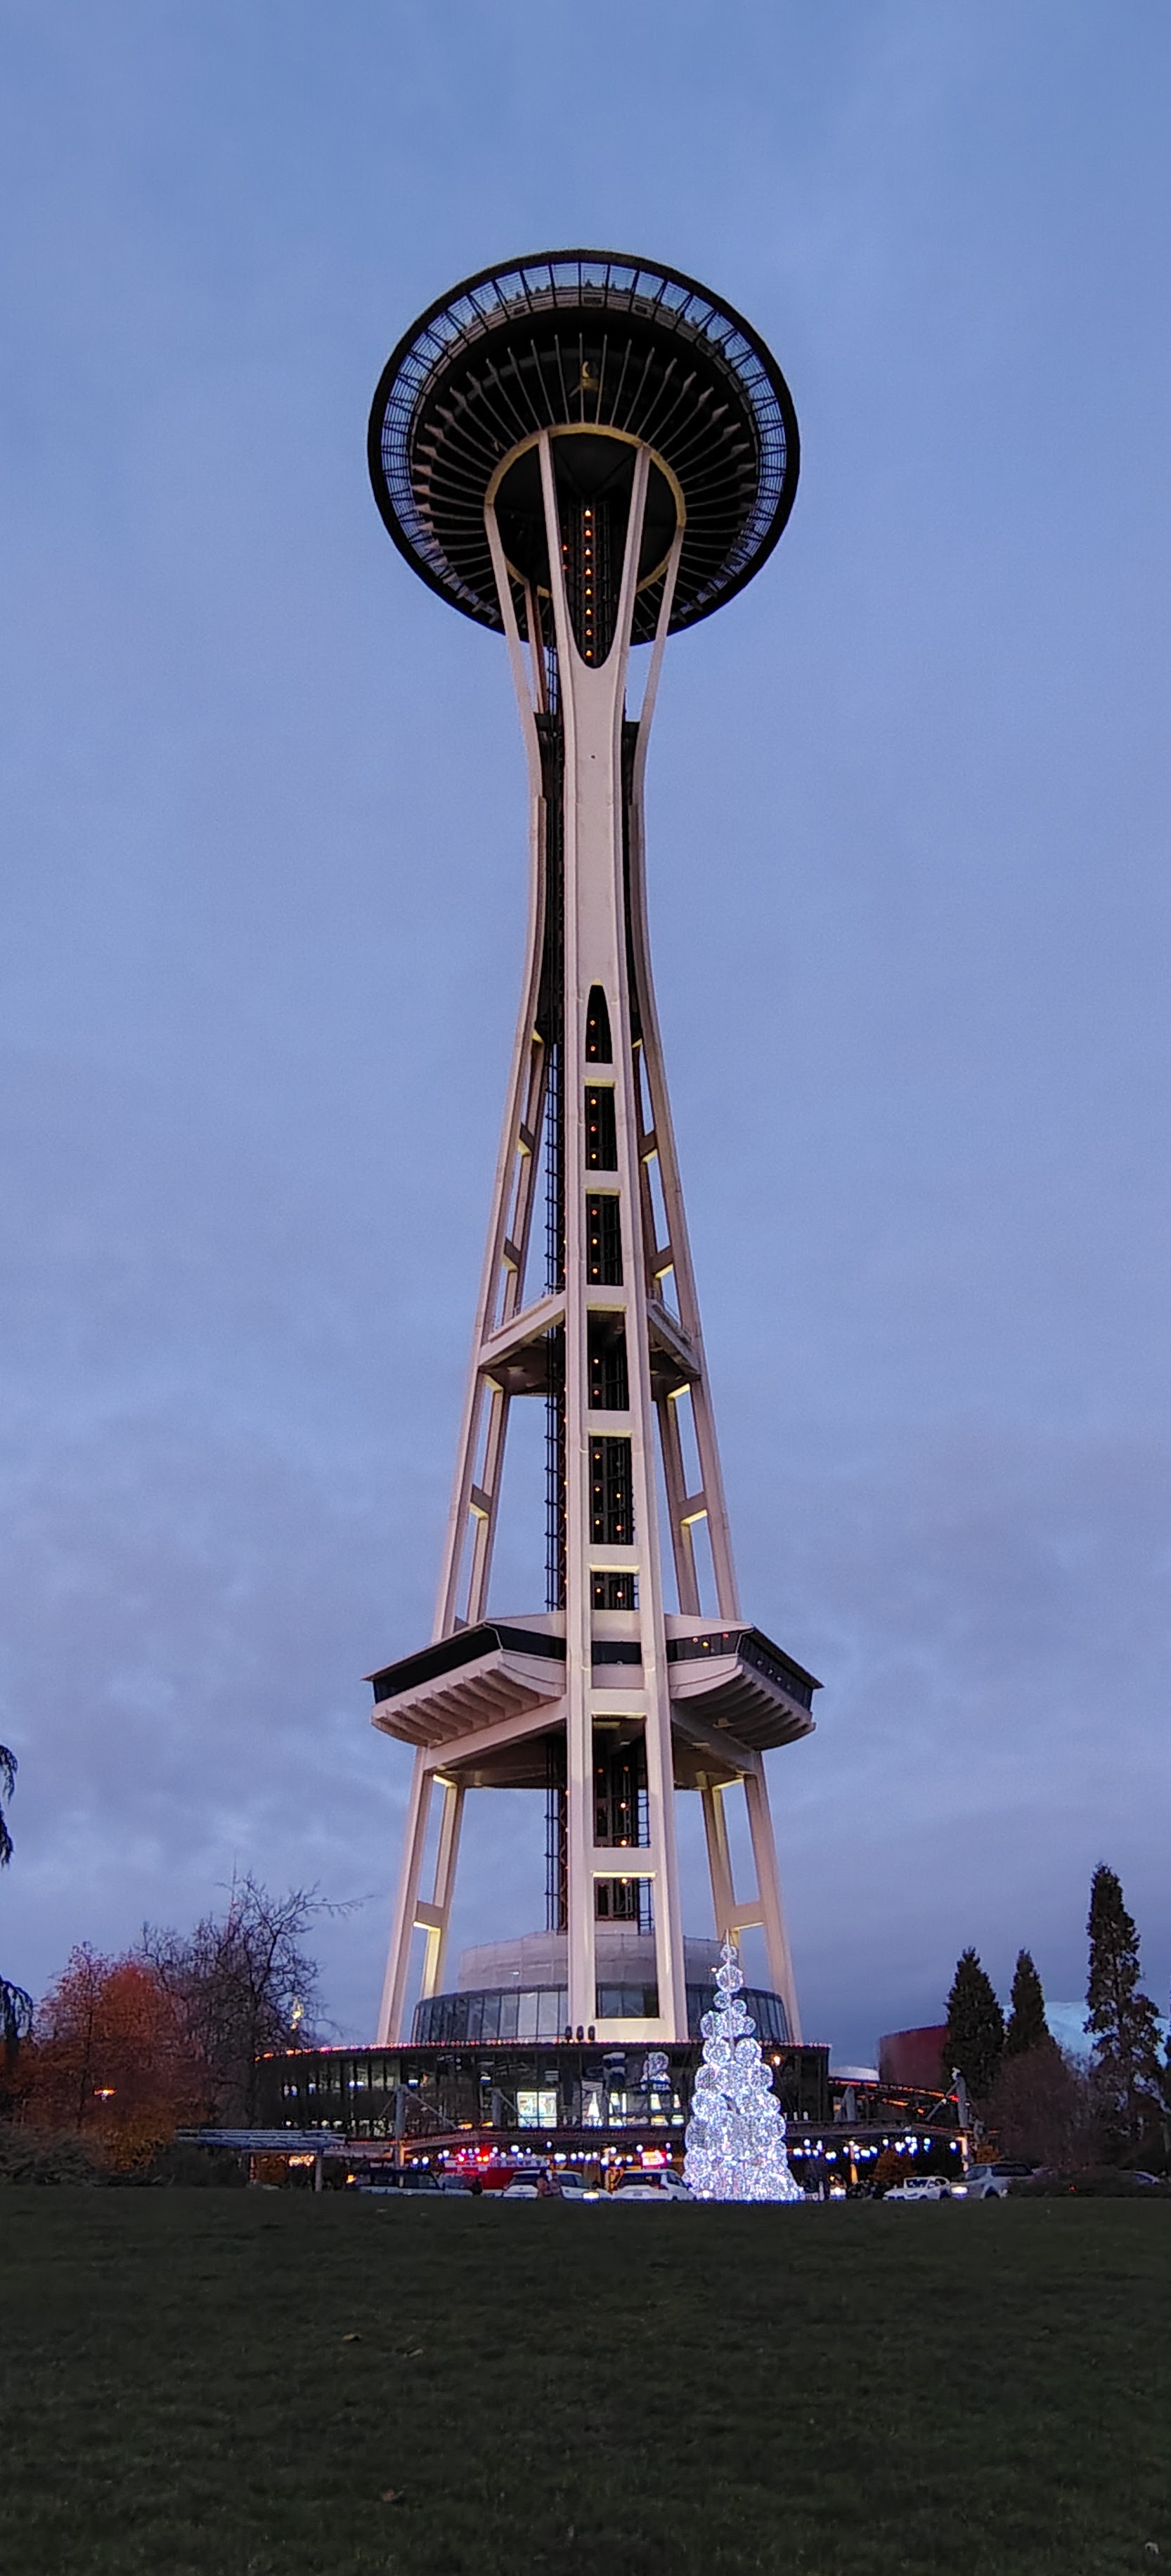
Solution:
(615, 353)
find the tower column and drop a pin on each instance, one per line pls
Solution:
(434, 1918)
(719, 1861)
(398, 1964)
(608, 1532)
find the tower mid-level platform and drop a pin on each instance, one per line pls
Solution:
(730, 1683)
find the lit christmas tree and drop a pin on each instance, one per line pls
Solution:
(736, 2133)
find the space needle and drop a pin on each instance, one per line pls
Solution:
(585, 453)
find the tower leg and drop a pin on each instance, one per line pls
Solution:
(394, 1992)
(435, 1917)
(581, 1977)
(772, 1912)
(719, 1860)
(668, 1912)
(675, 1482)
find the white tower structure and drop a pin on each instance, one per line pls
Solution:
(586, 453)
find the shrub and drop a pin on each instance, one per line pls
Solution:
(33, 2155)
(188, 2168)
(1090, 2182)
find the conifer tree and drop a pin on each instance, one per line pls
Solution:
(7, 1785)
(975, 2027)
(1123, 2020)
(16, 2008)
(1027, 2026)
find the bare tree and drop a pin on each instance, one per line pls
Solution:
(245, 1987)
(1042, 2107)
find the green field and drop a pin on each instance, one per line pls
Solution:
(857, 2387)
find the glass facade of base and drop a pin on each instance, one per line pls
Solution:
(556, 2087)
(539, 2012)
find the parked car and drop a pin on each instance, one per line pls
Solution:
(920, 2187)
(412, 2178)
(990, 2182)
(653, 2186)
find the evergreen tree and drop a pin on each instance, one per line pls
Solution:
(1164, 2087)
(16, 2008)
(975, 2027)
(1123, 2020)
(7, 1785)
(1027, 2026)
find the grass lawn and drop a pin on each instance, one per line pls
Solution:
(226, 2384)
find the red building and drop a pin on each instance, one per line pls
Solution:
(914, 2057)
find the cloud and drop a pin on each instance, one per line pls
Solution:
(263, 811)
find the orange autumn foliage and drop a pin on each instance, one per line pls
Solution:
(108, 2059)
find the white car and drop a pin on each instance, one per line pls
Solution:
(569, 2186)
(990, 2182)
(653, 2186)
(920, 2187)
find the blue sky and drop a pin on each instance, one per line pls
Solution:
(263, 897)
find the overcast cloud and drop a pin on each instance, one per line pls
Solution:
(263, 899)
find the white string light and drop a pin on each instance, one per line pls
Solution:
(735, 2142)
